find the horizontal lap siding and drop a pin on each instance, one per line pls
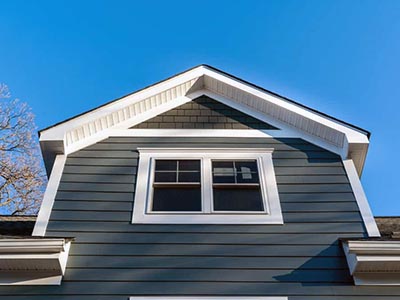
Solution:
(113, 259)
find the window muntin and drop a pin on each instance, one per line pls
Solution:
(236, 186)
(177, 171)
(176, 186)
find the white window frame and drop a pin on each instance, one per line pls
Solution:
(142, 213)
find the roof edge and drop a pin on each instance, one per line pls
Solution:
(361, 130)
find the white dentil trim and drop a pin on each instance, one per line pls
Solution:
(315, 128)
(105, 133)
(361, 198)
(286, 130)
(353, 134)
(58, 132)
(49, 196)
(373, 262)
(33, 261)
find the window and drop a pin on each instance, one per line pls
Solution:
(176, 185)
(206, 186)
(236, 186)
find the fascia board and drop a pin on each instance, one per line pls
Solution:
(354, 139)
(285, 130)
(353, 135)
(374, 247)
(373, 257)
(57, 132)
(31, 246)
(27, 256)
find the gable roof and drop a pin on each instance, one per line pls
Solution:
(335, 135)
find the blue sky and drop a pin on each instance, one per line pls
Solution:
(340, 57)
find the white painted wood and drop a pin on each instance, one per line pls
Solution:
(206, 185)
(109, 130)
(374, 246)
(361, 198)
(157, 91)
(26, 245)
(29, 278)
(377, 279)
(271, 188)
(49, 196)
(123, 117)
(241, 88)
(33, 261)
(132, 109)
(241, 153)
(142, 205)
(285, 129)
(256, 133)
(373, 262)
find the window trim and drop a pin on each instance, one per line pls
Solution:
(272, 211)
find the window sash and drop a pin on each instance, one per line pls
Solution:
(207, 185)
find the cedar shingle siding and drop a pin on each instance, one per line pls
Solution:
(204, 113)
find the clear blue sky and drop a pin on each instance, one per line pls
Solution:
(340, 57)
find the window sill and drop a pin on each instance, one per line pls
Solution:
(232, 218)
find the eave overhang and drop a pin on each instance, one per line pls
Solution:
(373, 262)
(33, 261)
(294, 119)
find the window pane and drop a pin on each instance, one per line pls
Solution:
(177, 199)
(189, 176)
(223, 167)
(189, 165)
(247, 177)
(238, 199)
(166, 165)
(223, 172)
(223, 178)
(165, 177)
(246, 166)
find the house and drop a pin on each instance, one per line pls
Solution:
(203, 186)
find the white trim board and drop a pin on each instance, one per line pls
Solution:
(361, 198)
(30, 278)
(33, 261)
(373, 262)
(49, 196)
(316, 128)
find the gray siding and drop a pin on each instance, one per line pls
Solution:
(113, 259)
(204, 113)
